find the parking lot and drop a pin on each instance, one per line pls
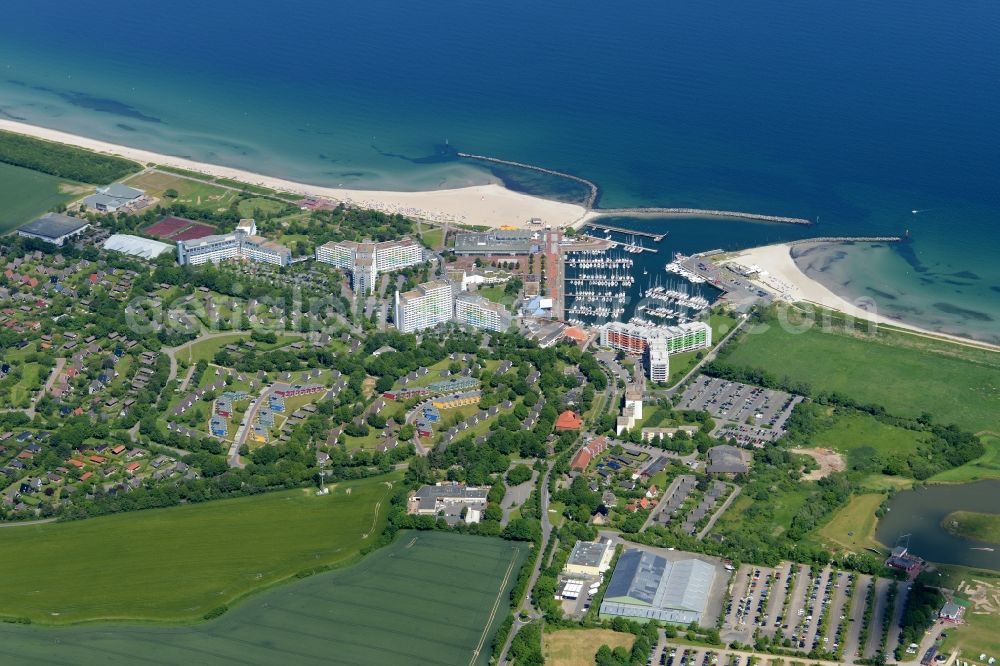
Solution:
(812, 610)
(752, 415)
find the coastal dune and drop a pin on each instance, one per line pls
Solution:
(488, 205)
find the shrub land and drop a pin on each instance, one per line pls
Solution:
(63, 161)
(427, 598)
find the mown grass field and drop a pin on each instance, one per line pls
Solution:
(979, 634)
(906, 374)
(573, 647)
(176, 564)
(249, 207)
(852, 528)
(973, 525)
(427, 598)
(26, 194)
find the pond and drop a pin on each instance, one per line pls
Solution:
(919, 513)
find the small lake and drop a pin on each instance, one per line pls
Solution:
(919, 513)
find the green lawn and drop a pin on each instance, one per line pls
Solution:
(249, 207)
(176, 564)
(905, 374)
(973, 525)
(497, 295)
(852, 527)
(427, 598)
(206, 349)
(854, 430)
(980, 634)
(191, 192)
(985, 467)
(433, 236)
(26, 194)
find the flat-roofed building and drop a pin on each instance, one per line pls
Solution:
(365, 260)
(54, 228)
(110, 198)
(480, 312)
(247, 226)
(590, 558)
(449, 499)
(217, 248)
(645, 586)
(136, 246)
(657, 343)
(430, 304)
(259, 249)
(498, 241)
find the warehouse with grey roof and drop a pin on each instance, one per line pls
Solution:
(54, 228)
(646, 586)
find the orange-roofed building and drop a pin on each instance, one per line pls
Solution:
(118, 449)
(98, 460)
(86, 475)
(76, 463)
(587, 453)
(132, 468)
(569, 420)
(575, 334)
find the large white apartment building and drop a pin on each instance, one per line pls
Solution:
(238, 245)
(430, 304)
(366, 260)
(474, 310)
(656, 343)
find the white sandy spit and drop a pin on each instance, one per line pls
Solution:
(488, 205)
(786, 279)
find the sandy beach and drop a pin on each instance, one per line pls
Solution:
(488, 205)
(786, 279)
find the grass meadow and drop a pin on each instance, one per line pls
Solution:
(852, 528)
(26, 194)
(427, 598)
(985, 467)
(906, 374)
(191, 192)
(571, 647)
(175, 564)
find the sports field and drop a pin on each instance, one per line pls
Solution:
(190, 192)
(905, 374)
(176, 564)
(26, 194)
(428, 598)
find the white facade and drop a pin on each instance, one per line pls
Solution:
(247, 226)
(428, 305)
(366, 260)
(479, 312)
(231, 246)
(658, 362)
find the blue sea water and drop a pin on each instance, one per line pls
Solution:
(853, 113)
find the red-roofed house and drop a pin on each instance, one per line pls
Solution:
(98, 460)
(118, 449)
(132, 468)
(86, 475)
(587, 453)
(569, 420)
(76, 463)
(575, 334)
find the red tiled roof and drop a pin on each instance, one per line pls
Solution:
(569, 420)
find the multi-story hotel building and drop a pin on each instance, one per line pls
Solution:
(366, 260)
(480, 312)
(430, 304)
(656, 343)
(238, 245)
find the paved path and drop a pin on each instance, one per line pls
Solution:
(50, 382)
(244, 429)
(26, 523)
(856, 618)
(721, 510)
(875, 636)
(187, 379)
(895, 628)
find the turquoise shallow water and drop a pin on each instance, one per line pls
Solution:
(851, 113)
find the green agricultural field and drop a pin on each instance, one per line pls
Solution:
(904, 373)
(852, 527)
(428, 598)
(26, 194)
(985, 467)
(176, 564)
(191, 192)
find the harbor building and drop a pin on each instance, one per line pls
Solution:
(365, 260)
(656, 343)
(498, 241)
(236, 245)
(54, 228)
(645, 586)
(430, 304)
(480, 312)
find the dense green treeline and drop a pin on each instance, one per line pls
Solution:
(63, 161)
